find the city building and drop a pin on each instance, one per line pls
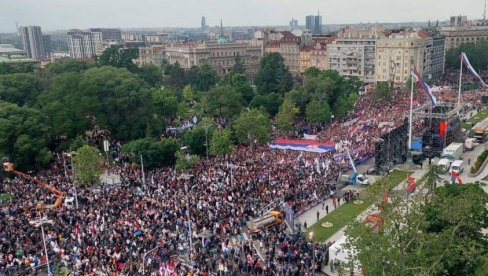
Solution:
(314, 23)
(46, 42)
(458, 21)
(203, 24)
(456, 36)
(80, 44)
(31, 41)
(289, 47)
(352, 54)
(305, 58)
(150, 55)
(104, 37)
(10, 54)
(293, 24)
(318, 56)
(219, 55)
(396, 53)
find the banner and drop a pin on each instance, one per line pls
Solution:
(302, 145)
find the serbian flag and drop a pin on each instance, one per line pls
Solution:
(411, 187)
(442, 128)
(468, 65)
(423, 85)
(167, 269)
(455, 177)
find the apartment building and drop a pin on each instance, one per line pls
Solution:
(154, 54)
(32, 42)
(352, 54)
(397, 53)
(80, 44)
(220, 56)
(289, 47)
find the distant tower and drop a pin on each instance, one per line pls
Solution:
(222, 38)
(203, 24)
(484, 13)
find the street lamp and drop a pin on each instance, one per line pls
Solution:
(187, 177)
(40, 223)
(70, 155)
(313, 252)
(206, 137)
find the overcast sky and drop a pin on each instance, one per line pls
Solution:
(66, 14)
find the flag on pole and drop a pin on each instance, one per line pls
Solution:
(423, 85)
(465, 60)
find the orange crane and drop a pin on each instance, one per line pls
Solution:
(9, 167)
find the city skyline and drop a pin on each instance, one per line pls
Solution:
(62, 15)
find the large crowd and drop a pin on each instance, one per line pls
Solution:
(175, 224)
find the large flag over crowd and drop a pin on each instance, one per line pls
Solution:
(415, 74)
(468, 65)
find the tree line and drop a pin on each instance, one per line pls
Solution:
(51, 109)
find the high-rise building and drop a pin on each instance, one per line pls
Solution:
(314, 23)
(294, 23)
(80, 44)
(46, 42)
(31, 41)
(310, 22)
(203, 24)
(103, 37)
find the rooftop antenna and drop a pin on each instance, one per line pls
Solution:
(484, 13)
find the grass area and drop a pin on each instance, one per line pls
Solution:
(346, 213)
(6, 197)
(483, 114)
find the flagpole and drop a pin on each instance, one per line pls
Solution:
(409, 146)
(460, 82)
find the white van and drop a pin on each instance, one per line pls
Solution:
(444, 164)
(457, 166)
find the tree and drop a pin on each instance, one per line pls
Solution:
(174, 75)
(271, 102)
(345, 104)
(273, 75)
(188, 93)
(154, 153)
(69, 65)
(185, 161)
(252, 127)
(196, 139)
(224, 101)
(119, 57)
(24, 136)
(165, 103)
(318, 112)
(19, 88)
(221, 143)
(425, 234)
(151, 74)
(383, 91)
(86, 163)
(12, 68)
(241, 85)
(239, 67)
(286, 115)
(207, 77)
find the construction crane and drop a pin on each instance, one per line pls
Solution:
(9, 167)
(356, 177)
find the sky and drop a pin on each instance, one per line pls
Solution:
(67, 14)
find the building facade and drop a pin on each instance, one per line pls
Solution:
(154, 54)
(455, 36)
(80, 44)
(103, 37)
(220, 56)
(314, 23)
(289, 47)
(396, 54)
(32, 42)
(352, 54)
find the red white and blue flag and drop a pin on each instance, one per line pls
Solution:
(424, 86)
(455, 177)
(411, 187)
(468, 65)
(302, 145)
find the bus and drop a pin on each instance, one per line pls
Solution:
(480, 131)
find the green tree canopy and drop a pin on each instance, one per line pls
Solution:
(69, 65)
(24, 136)
(224, 101)
(239, 67)
(86, 164)
(154, 153)
(165, 103)
(286, 115)
(383, 91)
(196, 138)
(271, 102)
(12, 68)
(174, 75)
(252, 126)
(19, 88)
(477, 54)
(273, 75)
(318, 112)
(185, 161)
(120, 57)
(241, 85)
(221, 143)
(151, 74)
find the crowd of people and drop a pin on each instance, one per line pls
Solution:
(195, 222)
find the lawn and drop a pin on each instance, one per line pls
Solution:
(346, 213)
(6, 197)
(483, 114)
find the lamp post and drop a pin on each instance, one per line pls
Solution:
(143, 175)
(313, 252)
(206, 137)
(144, 258)
(40, 223)
(186, 177)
